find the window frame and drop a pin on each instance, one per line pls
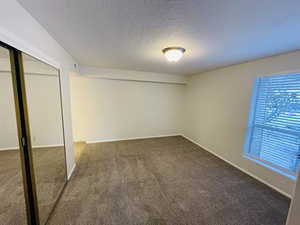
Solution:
(250, 127)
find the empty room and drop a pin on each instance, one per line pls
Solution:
(149, 112)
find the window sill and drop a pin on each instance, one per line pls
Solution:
(273, 168)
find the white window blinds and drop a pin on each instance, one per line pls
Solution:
(274, 124)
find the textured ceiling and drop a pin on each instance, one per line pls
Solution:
(130, 34)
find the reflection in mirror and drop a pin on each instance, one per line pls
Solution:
(12, 200)
(46, 126)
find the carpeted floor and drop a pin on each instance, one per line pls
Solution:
(49, 164)
(163, 181)
(50, 173)
(12, 204)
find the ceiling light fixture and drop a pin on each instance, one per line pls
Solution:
(173, 54)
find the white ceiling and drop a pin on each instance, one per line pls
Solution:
(130, 34)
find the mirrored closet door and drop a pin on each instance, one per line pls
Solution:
(32, 148)
(12, 204)
(42, 84)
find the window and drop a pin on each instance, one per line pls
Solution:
(273, 137)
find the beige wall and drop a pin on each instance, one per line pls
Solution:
(45, 117)
(217, 105)
(113, 109)
(294, 217)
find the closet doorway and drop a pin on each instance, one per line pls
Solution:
(32, 146)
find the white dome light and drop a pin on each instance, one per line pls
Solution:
(173, 54)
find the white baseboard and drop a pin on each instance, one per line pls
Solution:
(71, 171)
(126, 139)
(9, 149)
(241, 169)
(37, 146)
(48, 146)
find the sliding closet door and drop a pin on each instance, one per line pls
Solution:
(42, 83)
(12, 198)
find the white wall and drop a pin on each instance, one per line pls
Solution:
(217, 106)
(114, 109)
(8, 131)
(294, 216)
(44, 104)
(22, 31)
(44, 110)
(115, 74)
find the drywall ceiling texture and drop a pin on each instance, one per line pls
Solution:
(130, 34)
(217, 109)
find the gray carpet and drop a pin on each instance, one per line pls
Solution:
(12, 204)
(50, 174)
(49, 167)
(163, 181)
